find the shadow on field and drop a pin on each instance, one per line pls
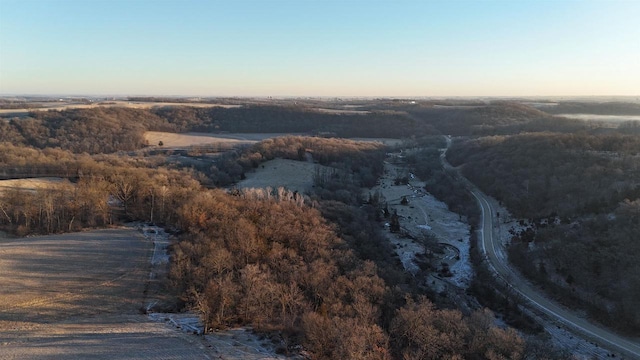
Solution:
(49, 278)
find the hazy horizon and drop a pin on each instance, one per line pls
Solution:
(321, 49)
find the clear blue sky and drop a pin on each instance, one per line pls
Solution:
(320, 48)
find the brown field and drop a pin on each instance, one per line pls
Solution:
(78, 296)
(190, 139)
(30, 183)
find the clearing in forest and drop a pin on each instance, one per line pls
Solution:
(291, 174)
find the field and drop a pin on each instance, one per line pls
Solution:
(119, 103)
(78, 296)
(173, 140)
(291, 174)
(29, 184)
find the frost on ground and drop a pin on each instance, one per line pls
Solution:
(291, 174)
(232, 344)
(559, 335)
(425, 216)
(160, 241)
(407, 249)
(451, 230)
(78, 296)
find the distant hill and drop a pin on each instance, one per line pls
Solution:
(602, 108)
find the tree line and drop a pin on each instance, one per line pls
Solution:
(112, 129)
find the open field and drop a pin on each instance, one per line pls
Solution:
(291, 174)
(190, 139)
(29, 184)
(119, 103)
(193, 138)
(605, 118)
(342, 111)
(78, 296)
(386, 141)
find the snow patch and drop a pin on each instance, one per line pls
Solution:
(237, 343)
(451, 230)
(407, 250)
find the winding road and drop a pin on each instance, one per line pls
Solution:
(490, 245)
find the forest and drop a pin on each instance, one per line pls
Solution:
(113, 129)
(578, 196)
(272, 260)
(315, 268)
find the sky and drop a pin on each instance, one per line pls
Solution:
(320, 48)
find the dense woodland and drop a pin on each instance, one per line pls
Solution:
(112, 129)
(579, 196)
(315, 268)
(279, 265)
(496, 118)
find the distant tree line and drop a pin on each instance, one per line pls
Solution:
(492, 119)
(546, 174)
(112, 129)
(598, 108)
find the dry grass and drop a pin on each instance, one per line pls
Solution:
(190, 139)
(50, 278)
(30, 183)
(77, 296)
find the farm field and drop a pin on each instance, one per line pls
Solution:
(119, 103)
(77, 296)
(30, 183)
(190, 139)
(194, 138)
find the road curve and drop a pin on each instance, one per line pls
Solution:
(499, 264)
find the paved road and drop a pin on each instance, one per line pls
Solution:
(490, 246)
(499, 264)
